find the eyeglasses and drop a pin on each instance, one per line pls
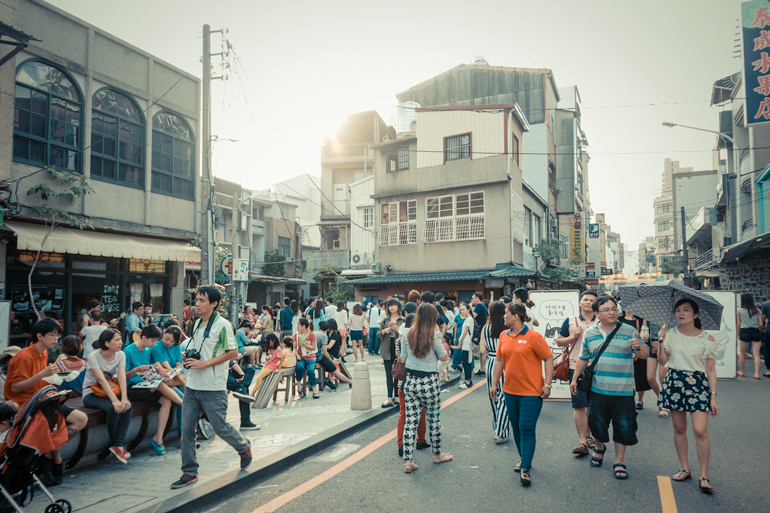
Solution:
(608, 310)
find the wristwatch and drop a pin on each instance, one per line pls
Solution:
(548, 386)
(713, 393)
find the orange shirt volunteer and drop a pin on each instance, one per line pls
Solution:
(24, 365)
(522, 357)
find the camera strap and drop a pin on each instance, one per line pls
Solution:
(206, 331)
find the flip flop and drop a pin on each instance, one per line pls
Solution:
(708, 483)
(160, 449)
(740, 374)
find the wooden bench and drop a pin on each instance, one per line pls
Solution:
(97, 417)
(268, 389)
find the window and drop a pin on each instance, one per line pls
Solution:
(664, 226)
(665, 208)
(173, 156)
(367, 217)
(535, 229)
(663, 243)
(117, 139)
(403, 159)
(527, 227)
(284, 246)
(457, 147)
(454, 218)
(46, 118)
(564, 245)
(398, 225)
(284, 211)
(515, 151)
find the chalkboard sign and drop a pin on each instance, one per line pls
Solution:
(48, 298)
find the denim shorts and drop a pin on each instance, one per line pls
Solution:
(581, 399)
(750, 335)
(356, 334)
(620, 410)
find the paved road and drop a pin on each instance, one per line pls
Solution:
(481, 477)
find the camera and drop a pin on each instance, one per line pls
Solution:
(193, 354)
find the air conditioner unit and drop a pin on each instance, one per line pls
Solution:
(357, 259)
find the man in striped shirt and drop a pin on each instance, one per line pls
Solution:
(612, 389)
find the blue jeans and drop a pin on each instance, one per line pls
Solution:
(523, 411)
(374, 341)
(457, 358)
(467, 367)
(306, 366)
(117, 423)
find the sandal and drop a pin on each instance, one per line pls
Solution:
(678, 477)
(663, 413)
(301, 393)
(591, 442)
(639, 406)
(517, 467)
(581, 449)
(442, 458)
(387, 404)
(708, 489)
(526, 479)
(409, 467)
(597, 462)
(160, 449)
(621, 473)
(315, 395)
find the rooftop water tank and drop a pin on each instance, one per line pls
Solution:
(406, 115)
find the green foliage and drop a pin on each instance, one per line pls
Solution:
(554, 188)
(274, 264)
(666, 268)
(549, 253)
(342, 291)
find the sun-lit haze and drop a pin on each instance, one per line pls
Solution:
(299, 68)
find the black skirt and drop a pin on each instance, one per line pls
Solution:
(640, 376)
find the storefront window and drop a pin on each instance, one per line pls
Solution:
(148, 288)
(48, 293)
(104, 287)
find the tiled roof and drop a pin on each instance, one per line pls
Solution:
(507, 272)
(513, 271)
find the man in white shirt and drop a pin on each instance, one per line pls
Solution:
(208, 354)
(330, 308)
(91, 332)
(373, 319)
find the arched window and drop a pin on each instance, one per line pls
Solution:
(173, 155)
(117, 139)
(47, 117)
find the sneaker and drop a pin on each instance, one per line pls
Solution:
(500, 440)
(480, 373)
(120, 453)
(246, 459)
(422, 445)
(330, 384)
(463, 385)
(203, 429)
(184, 481)
(246, 398)
(248, 425)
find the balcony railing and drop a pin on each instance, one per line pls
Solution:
(337, 258)
(745, 153)
(338, 208)
(704, 261)
(398, 234)
(748, 223)
(458, 228)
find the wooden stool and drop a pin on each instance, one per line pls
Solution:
(291, 384)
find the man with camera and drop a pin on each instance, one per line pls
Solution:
(211, 348)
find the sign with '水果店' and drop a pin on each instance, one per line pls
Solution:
(755, 21)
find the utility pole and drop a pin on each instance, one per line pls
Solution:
(235, 255)
(685, 257)
(207, 253)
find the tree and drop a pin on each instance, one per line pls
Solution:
(343, 290)
(274, 264)
(55, 200)
(666, 268)
(549, 253)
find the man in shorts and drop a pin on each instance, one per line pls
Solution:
(26, 373)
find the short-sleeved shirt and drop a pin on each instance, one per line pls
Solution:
(335, 344)
(219, 340)
(109, 369)
(468, 340)
(481, 314)
(241, 340)
(321, 341)
(766, 310)
(134, 323)
(330, 310)
(25, 364)
(136, 357)
(91, 335)
(171, 355)
(300, 340)
(285, 316)
(374, 316)
(522, 355)
(747, 320)
(269, 328)
(429, 362)
(568, 328)
(614, 374)
(686, 353)
(356, 322)
(272, 358)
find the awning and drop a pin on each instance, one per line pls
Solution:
(88, 242)
(753, 246)
(295, 281)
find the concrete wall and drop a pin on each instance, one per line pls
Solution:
(692, 190)
(747, 275)
(535, 159)
(486, 129)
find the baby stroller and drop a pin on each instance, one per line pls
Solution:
(39, 427)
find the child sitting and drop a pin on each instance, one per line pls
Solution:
(8, 411)
(274, 359)
(69, 361)
(289, 356)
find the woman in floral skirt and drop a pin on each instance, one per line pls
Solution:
(689, 354)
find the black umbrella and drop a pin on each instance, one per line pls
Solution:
(655, 302)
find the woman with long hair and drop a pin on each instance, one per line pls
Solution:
(295, 315)
(356, 324)
(521, 295)
(490, 337)
(689, 354)
(389, 327)
(266, 325)
(421, 352)
(521, 353)
(465, 342)
(341, 316)
(319, 314)
(748, 330)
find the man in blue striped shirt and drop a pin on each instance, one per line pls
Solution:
(612, 389)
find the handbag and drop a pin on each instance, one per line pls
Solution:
(99, 391)
(476, 337)
(398, 371)
(561, 365)
(586, 378)
(343, 333)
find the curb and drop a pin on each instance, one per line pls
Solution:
(204, 496)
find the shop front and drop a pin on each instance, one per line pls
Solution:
(129, 269)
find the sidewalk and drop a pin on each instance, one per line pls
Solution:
(144, 482)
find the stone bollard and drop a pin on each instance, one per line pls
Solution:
(361, 394)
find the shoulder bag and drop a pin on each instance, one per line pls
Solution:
(476, 337)
(586, 379)
(99, 391)
(561, 365)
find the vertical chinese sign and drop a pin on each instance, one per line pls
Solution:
(578, 245)
(756, 60)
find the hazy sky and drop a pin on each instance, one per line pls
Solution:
(308, 64)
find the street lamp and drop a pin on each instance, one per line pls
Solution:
(736, 164)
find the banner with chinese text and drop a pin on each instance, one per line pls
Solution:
(756, 60)
(578, 245)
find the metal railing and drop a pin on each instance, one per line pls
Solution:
(457, 228)
(748, 223)
(704, 260)
(745, 153)
(398, 234)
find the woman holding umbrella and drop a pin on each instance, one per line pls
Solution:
(689, 354)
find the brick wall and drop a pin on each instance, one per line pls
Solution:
(750, 275)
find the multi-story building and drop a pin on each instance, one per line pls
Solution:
(663, 206)
(450, 211)
(647, 262)
(89, 104)
(303, 191)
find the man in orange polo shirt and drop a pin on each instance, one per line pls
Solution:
(26, 373)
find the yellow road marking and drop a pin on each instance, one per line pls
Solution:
(667, 500)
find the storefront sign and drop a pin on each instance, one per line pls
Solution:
(242, 270)
(725, 337)
(592, 282)
(590, 274)
(590, 266)
(578, 244)
(593, 231)
(110, 301)
(226, 266)
(756, 60)
(551, 308)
